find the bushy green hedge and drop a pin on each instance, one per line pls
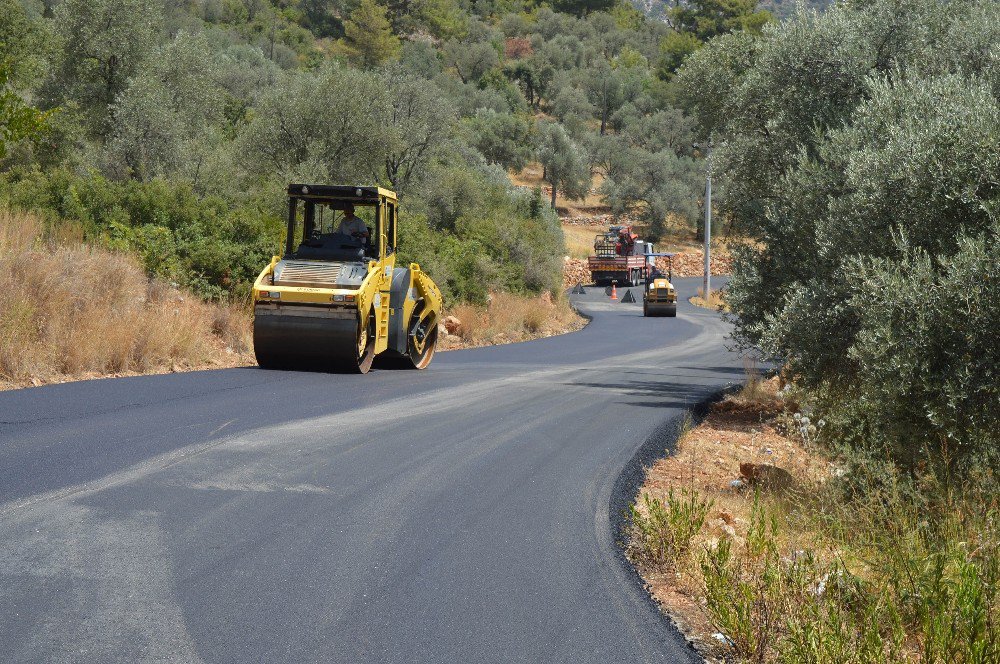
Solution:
(203, 243)
(929, 351)
(470, 229)
(863, 146)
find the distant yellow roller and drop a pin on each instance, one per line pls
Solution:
(336, 299)
(659, 297)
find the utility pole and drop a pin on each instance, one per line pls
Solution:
(708, 223)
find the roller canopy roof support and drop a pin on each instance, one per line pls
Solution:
(662, 253)
(368, 195)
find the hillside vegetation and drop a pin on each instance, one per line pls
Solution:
(170, 130)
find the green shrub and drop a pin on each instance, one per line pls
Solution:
(204, 243)
(917, 567)
(839, 618)
(476, 234)
(663, 530)
(744, 591)
(929, 384)
(862, 154)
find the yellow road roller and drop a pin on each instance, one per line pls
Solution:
(336, 299)
(659, 297)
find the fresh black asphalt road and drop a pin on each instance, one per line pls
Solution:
(459, 514)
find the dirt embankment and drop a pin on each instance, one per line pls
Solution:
(723, 461)
(766, 541)
(507, 318)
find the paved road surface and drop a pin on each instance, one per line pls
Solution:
(455, 515)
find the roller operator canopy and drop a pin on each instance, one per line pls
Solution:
(341, 193)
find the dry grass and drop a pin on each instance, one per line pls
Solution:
(755, 390)
(71, 311)
(579, 239)
(510, 318)
(716, 300)
(531, 177)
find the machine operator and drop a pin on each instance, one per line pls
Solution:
(351, 225)
(654, 274)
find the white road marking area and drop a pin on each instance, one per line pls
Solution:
(103, 580)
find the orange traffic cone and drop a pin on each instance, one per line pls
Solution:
(614, 291)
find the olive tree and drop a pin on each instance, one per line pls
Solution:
(23, 43)
(18, 120)
(565, 163)
(863, 148)
(604, 88)
(419, 122)
(166, 109)
(927, 342)
(470, 60)
(654, 184)
(502, 138)
(312, 125)
(104, 43)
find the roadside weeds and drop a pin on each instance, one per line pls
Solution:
(762, 546)
(508, 318)
(716, 300)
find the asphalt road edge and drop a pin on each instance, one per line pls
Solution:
(662, 442)
(579, 312)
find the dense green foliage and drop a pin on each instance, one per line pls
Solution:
(18, 121)
(22, 46)
(697, 21)
(200, 241)
(172, 128)
(863, 150)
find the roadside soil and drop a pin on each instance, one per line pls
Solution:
(737, 430)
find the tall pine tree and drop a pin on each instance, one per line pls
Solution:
(369, 35)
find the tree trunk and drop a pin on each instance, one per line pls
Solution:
(553, 196)
(109, 80)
